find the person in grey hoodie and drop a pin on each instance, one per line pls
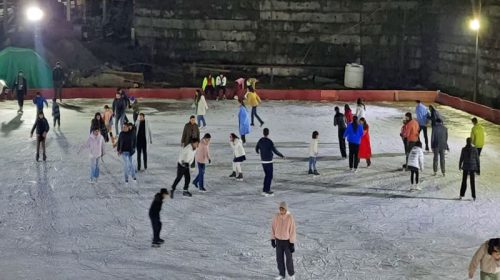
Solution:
(439, 143)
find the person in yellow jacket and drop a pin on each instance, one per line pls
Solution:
(477, 136)
(208, 85)
(253, 100)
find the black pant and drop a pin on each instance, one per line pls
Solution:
(424, 128)
(353, 155)
(342, 142)
(20, 101)
(40, 141)
(58, 86)
(479, 151)
(58, 120)
(254, 114)
(156, 223)
(142, 148)
(134, 116)
(472, 183)
(243, 139)
(409, 146)
(268, 176)
(182, 171)
(414, 173)
(209, 91)
(282, 251)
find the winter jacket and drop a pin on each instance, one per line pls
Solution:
(348, 116)
(237, 146)
(313, 147)
(434, 115)
(416, 158)
(283, 227)
(352, 135)
(55, 110)
(244, 121)
(186, 156)
(201, 106)
(58, 74)
(147, 127)
(477, 136)
(253, 100)
(439, 137)
(39, 101)
(126, 142)
(95, 144)
(265, 147)
(469, 159)
(203, 152)
(422, 114)
(486, 262)
(360, 111)
(154, 210)
(412, 131)
(20, 86)
(41, 126)
(206, 81)
(191, 131)
(119, 106)
(339, 120)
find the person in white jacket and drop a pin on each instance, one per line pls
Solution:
(360, 109)
(313, 153)
(416, 163)
(201, 108)
(186, 157)
(95, 145)
(143, 138)
(239, 156)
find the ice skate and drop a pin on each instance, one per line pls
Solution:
(310, 172)
(240, 177)
(187, 193)
(161, 241)
(418, 188)
(44, 157)
(232, 175)
(279, 278)
(268, 194)
(155, 244)
(203, 189)
(37, 158)
(316, 172)
(172, 194)
(291, 277)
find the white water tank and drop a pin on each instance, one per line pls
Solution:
(354, 74)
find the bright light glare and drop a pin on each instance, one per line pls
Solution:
(475, 24)
(34, 13)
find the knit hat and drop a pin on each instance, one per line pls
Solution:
(284, 205)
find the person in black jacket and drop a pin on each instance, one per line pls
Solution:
(120, 104)
(154, 215)
(126, 149)
(58, 79)
(469, 163)
(98, 123)
(265, 147)
(42, 127)
(21, 88)
(339, 121)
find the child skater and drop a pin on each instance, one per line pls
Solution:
(238, 156)
(154, 215)
(416, 163)
(488, 258)
(42, 128)
(313, 153)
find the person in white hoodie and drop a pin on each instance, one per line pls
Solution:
(239, 156)
(313, 153)
(95, 145)
(416, 163)
(186, 157)
(201, 108)
(360, 109)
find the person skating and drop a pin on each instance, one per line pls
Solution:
(439, 144)
(201, 108)
(154, 216)
(348, 114)
(434, 115)
(119, 106)
(208, 86)
(220, 85)
(20, 87)
(243, 122)
(95, 145)
(42, 128)
(416, 164)
(39, 100)
(340, 122)
(365, 147)
(477, 136)
(253, 100)
(422, 114)
(134, 103)
(487, 257)
(239, 156)
(125, 148)
(186, 158)
(265, 147)
(202, 157)
(108, 122)
(469, 163)
(353, 134)
(412, 133)
(283, 239)
(402, 134)
(98, 123)
(144, 137)
(190, 132)
(58, 78)
(56, 113)
(313, 153)
(360, 109)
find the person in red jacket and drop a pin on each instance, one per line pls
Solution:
(365, 148)
(348, 114)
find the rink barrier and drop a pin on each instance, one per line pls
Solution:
(482, 111)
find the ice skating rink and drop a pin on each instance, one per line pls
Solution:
(54, 225)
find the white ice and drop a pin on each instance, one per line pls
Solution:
(54, 225)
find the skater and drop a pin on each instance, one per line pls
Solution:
(412, 133)
(95, 145)
(190, 132)
(365, 147)
(98, 123)
(201, 108)
(135, 108)
(220, 85)
(144, 137)
(283, 234)
(434, 115)
(119, 107)
(42, 128)
(243, 121)
(353, 133)
(186, 158)
(360, 109)
(416, 164)
(439, 143)
(348, 114)
(108, 122)
(239, 156)
(125, 148)
(56, 114)
(58, 79)
(239, 88)
(154, 215)
(339, 121)
(403, 133)
(265, 147)
(202, 157)
(253, 100)
(20, 86)
(313, 153)
(422, 114)
(477, 136)
(469, 163)
(208, 86)
(487, 257)
(39, 100)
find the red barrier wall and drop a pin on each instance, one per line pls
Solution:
(485, 112)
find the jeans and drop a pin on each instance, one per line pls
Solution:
(312, 163)
(182, 171)
(200, 178)
(472, 183)
(438, 153)
(254, 114)
(353, 155)
(94, 168)
(156, 223)
(282, 251)
(201, 119)
(128, 165)
(342, 143)
(142, 149)
(424, 128)
(268, 177)
(120, 119)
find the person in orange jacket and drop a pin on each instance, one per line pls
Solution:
(412, 133)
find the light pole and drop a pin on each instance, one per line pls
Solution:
(475, 25)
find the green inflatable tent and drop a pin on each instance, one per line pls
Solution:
(36, 71)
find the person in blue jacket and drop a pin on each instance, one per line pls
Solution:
(422, 118)
(243, 121)
(39, 100)
(353, 133)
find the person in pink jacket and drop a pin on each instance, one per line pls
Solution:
(488, 258)
(202, 157)
(283, 239)
(95, 145)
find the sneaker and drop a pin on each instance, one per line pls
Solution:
(91, 181)
(316, 172)
(187, 193)
(418, 188)
(460, 198)
(135, 180)
(172, 194)
(268, 194)
(203, 190)
(232, 175)
(310, 172)
(240, 177)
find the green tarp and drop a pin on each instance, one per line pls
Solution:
(36, 71)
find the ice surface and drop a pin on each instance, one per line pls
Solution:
(54, 225)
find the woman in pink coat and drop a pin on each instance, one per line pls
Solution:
(365, 148)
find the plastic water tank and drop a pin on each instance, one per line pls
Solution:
(354, 74)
